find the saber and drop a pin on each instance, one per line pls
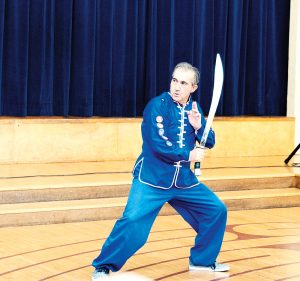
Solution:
(218, 83)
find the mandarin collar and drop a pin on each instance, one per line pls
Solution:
(179, 104)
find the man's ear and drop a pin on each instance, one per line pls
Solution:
(195, 87)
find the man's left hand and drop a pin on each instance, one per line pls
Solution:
(194, 116)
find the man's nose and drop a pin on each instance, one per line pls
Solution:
(177, 87)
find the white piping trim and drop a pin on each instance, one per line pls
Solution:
(174, 181)
(157, 186)
(136, 165)
(180, 187)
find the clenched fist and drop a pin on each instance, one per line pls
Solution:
(197, 154)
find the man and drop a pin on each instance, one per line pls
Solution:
(171, 125)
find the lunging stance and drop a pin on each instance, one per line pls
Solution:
(172, 123)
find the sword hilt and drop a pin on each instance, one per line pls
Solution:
(197, 170)
(197, 165)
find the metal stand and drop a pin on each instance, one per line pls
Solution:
(286, 161)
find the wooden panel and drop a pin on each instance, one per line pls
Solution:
(41, 140)
(111, 208)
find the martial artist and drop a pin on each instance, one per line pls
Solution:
(172, 123)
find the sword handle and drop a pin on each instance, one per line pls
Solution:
(197, 165)
(197, 170)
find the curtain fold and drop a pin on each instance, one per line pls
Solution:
(15, 58)
(40, 58)
(2, 18)
(110, 57)
(82, 58)
(62, 57)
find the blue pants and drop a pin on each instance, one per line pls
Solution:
(198, 205)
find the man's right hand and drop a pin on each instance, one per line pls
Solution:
(197, 154)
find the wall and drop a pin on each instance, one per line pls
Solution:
(293, 103)
(46, 140)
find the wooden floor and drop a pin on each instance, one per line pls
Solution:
(259, 245)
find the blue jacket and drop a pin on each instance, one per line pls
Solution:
(168, 139)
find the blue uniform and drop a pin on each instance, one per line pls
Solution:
(162, 174)
(168, 138)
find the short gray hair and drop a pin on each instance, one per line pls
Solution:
(188, 66)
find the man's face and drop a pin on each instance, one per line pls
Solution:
(182, 85)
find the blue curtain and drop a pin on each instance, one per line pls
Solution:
(109, 57)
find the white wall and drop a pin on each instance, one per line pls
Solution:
(293, 103)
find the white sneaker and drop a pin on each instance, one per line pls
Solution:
(99, 274)
(217, 267)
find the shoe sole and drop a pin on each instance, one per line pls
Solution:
(100, 277)
(203, 268)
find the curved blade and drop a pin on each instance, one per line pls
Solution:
(218, 84)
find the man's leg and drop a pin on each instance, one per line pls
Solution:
(132, 230)
(207, 214)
